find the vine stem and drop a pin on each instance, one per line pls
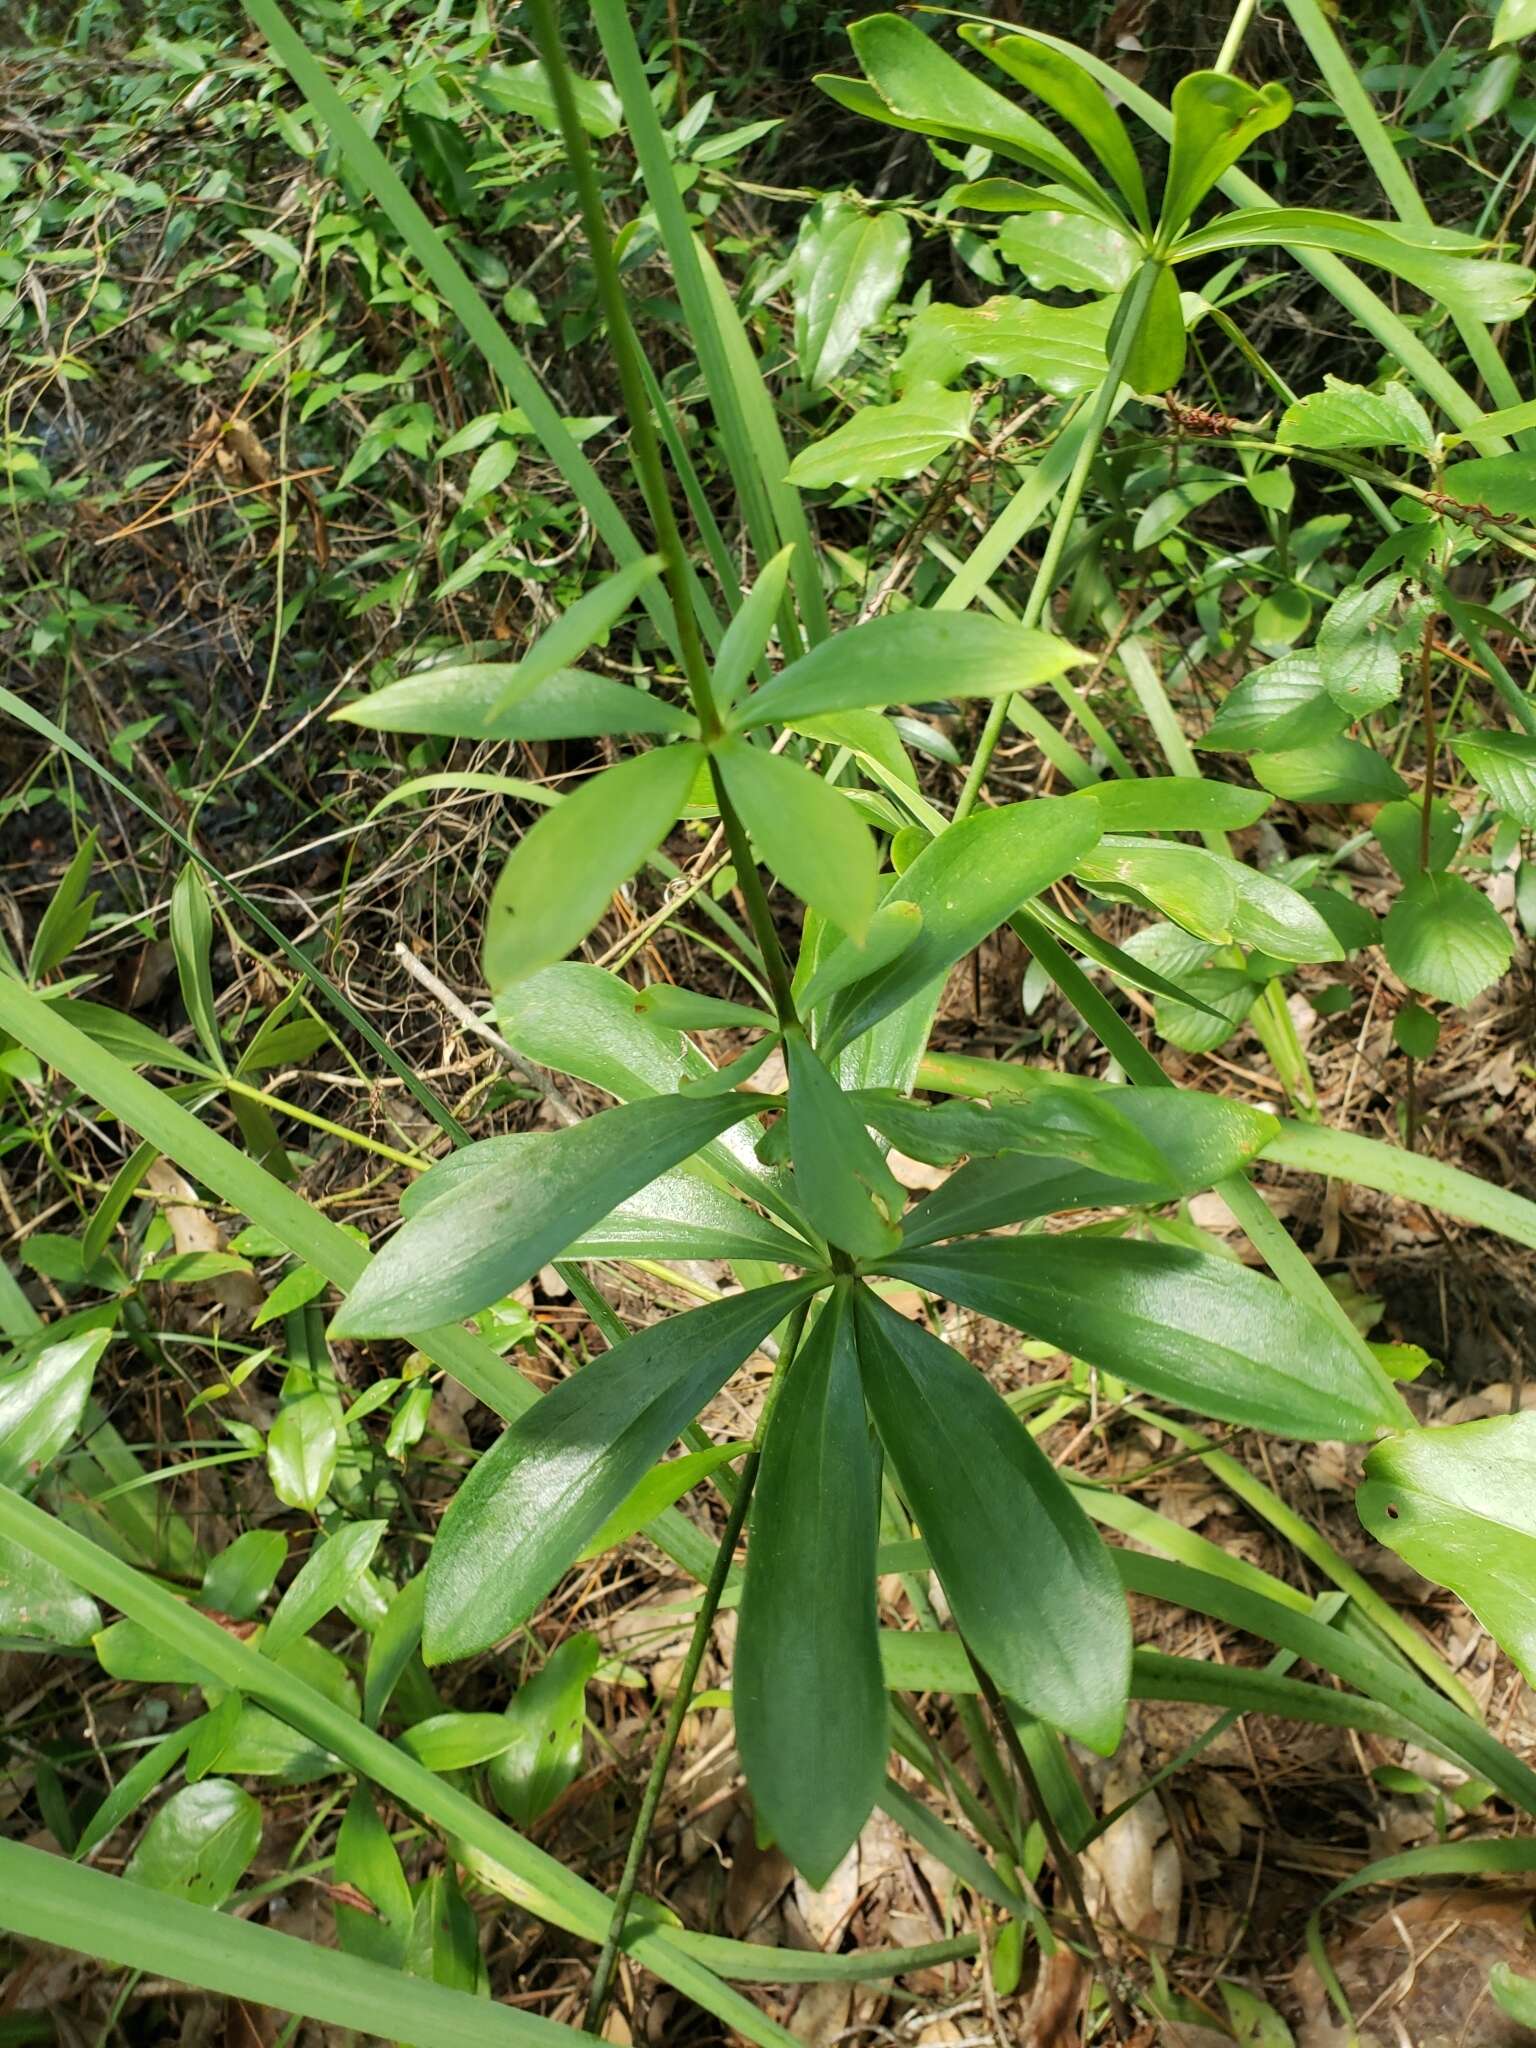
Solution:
(1066, 1863)
(1061, 526)
(651, 474)
(607, 1962)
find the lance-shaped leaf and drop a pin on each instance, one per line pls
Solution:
(906, 657)
(841, 1177)
(546, 1715)
(42, 1401)
(1215, 117)
(1030, 1585)
(846, 270)
(1052, 75)
(747, 636)
(1459, 1505)
(965, 883)
(491, 1232)
(1054, 1123)
(806, 831)
(1191, 1327)
(563, 872)
(465, 700)
(548, 1484)
(807, 1686)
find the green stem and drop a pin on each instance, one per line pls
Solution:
(1237, 28)
(1061, 526)
(602, 1980)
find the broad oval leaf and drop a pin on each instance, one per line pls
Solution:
(1070, 250)
(1502, 484)
(885, 441)
(200, 1844)
(804, 830)
(1445, 938)
(1028, 1581)
(846, 269)
(42, 1401)
(1459, 1505)
(563, 872)
(1336, 771)
(493, 1229)
(302, 1447)
(547, 1485)
(37, 1600)
(807, 1688)
(1345, 415)
(1194, 1328)
(457, 1742)
(1504, 764)
(965, 882)
(909, 657)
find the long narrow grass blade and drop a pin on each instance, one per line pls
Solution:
(46, 1898)
(378, 178)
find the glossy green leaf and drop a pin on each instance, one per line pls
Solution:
(661, 1486)
(368, 1862)
(841, 1177)
(239, 1579)
(192, 942)
(1336, 771)
(919, 85)
(1051, 75)
(1156, 359)
(1457, 1505)
(1194, 1328)
(546, 1716)
(885, 442)
(485, 1233)
(1175, 803)
(1058, 348)
(1054, 1122)
(457, 1742)
(1220, 999)
(563, 872)
(805, 831)
(549, 1483)
(904, 657)
(200, 1843)
(1215, 118)
(807, 1688)
(1356, 649)
(845, 271)
(1069, 251)
(1029, 1583)
(965, 882)
(891, 930)
(1503, 764)
(576, 630)
(1283, 705)
(37, 1601)
(302, 1448)
(460, 700)
(1445, 938)
(323, 1581)
(1344, 415)
(42, 1401)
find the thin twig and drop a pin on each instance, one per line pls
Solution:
(462, 1014)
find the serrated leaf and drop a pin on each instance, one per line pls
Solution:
(1445, 939)
(1503, 764)
(1344, 415)
(1283, 705)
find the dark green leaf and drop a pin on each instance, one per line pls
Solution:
(549, 1483)
(1350, 416)
(37, 1600)
(1336, 771)
(807, 1689)
(239, 1579)
(1029, 1583)
(1055, 77)
(841, 1176)
(1194, 1328)
(68, 917)
(472, 1236)
(302, 1448)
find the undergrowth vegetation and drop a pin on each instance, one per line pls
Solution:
(770, 789)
